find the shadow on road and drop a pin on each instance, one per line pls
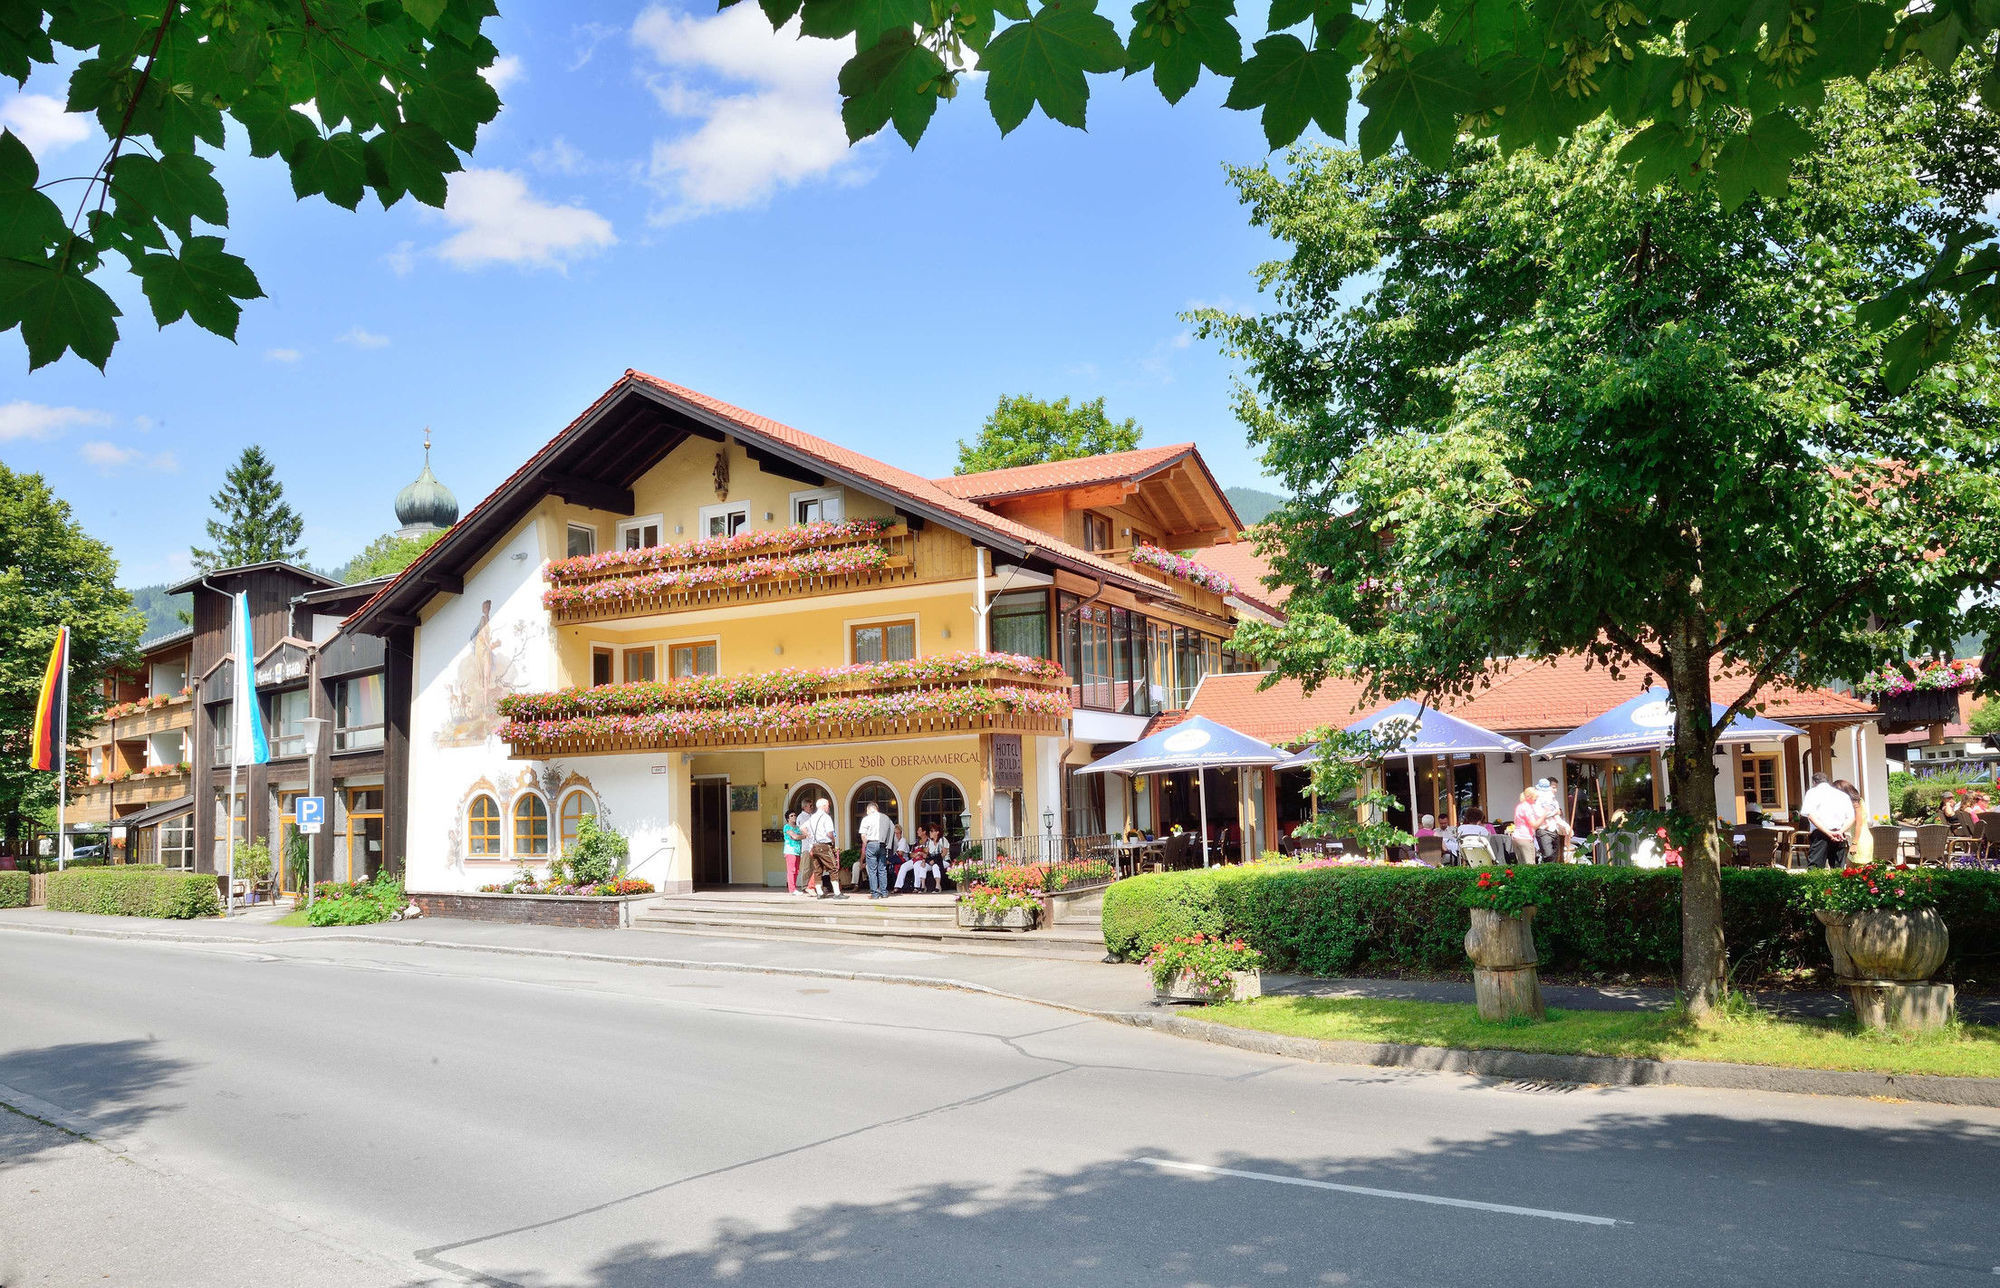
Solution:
(1697, 1199)
(116, 1085)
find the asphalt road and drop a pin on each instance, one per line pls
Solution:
(373, 1115)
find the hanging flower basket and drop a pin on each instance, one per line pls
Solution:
(1926, 693)
(1921, 706)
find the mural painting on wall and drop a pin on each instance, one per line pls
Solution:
(490, 670)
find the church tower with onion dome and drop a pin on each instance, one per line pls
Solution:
(426, 505)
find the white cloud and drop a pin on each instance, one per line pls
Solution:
(41, 123)
(282, 355)
(588, 37)
(26, 420)
(766, 107)
(110, 456)
(500, 221)
(361, 338)
(560, 156)
(506, 69)
(402, 259)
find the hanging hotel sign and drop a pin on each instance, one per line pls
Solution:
(1006, 762)
(288, 663)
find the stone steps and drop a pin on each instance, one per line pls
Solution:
(916, 922)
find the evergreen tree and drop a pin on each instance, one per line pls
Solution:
(256, 524)
(1026, 430)
(52, 574)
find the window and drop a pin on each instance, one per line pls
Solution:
(1086, 643)
(1086, 803)
(482, 827)
(531, 826)
(1760, 782)
(583, 539)
(823, 505)
(941, 804)
(229, 824)
(285, 715)
(600, 666)
(805, 798)
(724, 520)
(176, 841)
(883, 642)
(884, 797)
(684, 660)
(576, 807)
(221, 721)
(357, 712)
(1096, 532)
(1019, 623)
(639, 664)
(639, 534)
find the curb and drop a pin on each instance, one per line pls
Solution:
(1593, 1070)
(1520, 1066)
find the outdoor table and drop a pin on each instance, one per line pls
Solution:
(1125, 855)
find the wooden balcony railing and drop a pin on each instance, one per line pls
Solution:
(135, 789)
(1199, 598)
(175, 713)
(887, 555)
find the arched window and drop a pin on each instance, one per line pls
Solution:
(531, 826)
(805, 798)
(941, 804)
(576, 807)
(482, 827)
(874, 790)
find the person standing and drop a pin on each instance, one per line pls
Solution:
(795, 840)
(876, 829)
(1829, 812)
(822, 860)
(1549, 823)
(1527, 817)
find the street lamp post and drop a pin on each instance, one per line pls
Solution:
(315, 728)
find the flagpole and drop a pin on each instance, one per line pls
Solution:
(229, 830)
(62, 764)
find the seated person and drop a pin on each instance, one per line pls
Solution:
(1427, 826)
(1474, 821)
(925, 860)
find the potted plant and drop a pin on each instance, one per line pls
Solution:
(1921, 693)
(1886, 939)
(986, 907)
(1203, 968)
(252, 866)
(1501, 944)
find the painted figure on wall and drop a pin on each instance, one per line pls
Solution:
(490, 670)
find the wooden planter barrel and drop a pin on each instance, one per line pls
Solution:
(1884, 960)
(1505, 983)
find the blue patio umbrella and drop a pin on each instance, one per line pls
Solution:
(1646, 723)
(1427, 732)
(1196, 743)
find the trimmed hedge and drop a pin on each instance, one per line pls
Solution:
(14, 888)
(1382, 921)
(135, 890)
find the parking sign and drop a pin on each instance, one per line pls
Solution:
(309, 812)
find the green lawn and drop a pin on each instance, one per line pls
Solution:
(296, 917)
(1970, 1050)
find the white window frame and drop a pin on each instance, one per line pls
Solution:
(708, 512)
(591, 528)
(836, 497)
(667, 653)
(847, 631)
(639, 523)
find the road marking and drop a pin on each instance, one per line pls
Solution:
(1578, 1218)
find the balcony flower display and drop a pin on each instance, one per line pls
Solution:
(839, 562)
(1928, 694)
(1183, 568)
(786, 685)
(762, 542)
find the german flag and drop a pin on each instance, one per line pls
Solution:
(49, 716)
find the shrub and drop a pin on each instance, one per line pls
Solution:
(356, 903)
(1345, 921)
(14, 889)
(135, 891)
(599, 852)
(251, 862)
(1921, 797)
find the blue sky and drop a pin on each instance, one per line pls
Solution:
(666, 188)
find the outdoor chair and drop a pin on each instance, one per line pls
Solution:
(1176, 856)
(1933, 843)
(1430, 849)
(1763, 848)
(1965, 848)
(1888, 843)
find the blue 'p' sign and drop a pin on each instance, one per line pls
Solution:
(309, 812)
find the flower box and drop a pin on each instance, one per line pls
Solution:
(1186, 986)
(972, 918)
(1920, 706)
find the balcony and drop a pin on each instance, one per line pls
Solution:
(957, 694)
(141, 787)
(1192, 585)
(148, 716)
(749, 568)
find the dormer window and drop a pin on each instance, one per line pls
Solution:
(821, 505)
(1096, 532)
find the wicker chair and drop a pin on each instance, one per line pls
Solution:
(1888, 843)
(1763, 848)
(1430, 849)
(1933, 843)
(1967, 848)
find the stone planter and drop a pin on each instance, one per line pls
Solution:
(1505, 983)
(1183, 987)
(971, 918)
(1883, 960)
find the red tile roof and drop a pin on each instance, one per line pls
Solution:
(1111, 467)
(1536, 697)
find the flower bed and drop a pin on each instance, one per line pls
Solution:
(779, 541)
(785, 685)
(969, 706)
(119, 710)
(841, 562)
(1182, 568)
(601, 890)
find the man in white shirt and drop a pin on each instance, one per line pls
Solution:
(876, 829)
(820, 855)
(1830, 812)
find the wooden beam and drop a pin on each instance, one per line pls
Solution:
(915, 522)
(409, 621)
(448, 583)
(779, 467)
(1100, 495)
(590, 493)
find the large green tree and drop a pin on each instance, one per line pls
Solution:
(52, 574)
(353, 97)
(1707, 86)
(256, 523)
(1527, 410)
(1026, 430)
